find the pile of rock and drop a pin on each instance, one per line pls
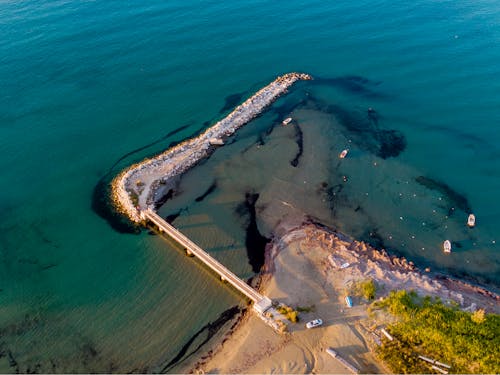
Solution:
(130, 198)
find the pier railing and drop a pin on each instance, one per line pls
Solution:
(261, 303)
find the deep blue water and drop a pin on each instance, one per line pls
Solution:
(85, 82)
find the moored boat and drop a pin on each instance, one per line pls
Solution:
(216, 142)
(447, 246)
(287, 121)
(471, 220)
(343, 154)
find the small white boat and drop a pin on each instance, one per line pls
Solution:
(287, 121)
(216, 141)
(471, 220)
(343, 154)
(348, 365)
(447, 246)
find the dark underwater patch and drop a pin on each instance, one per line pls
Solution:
(352, 84)
(373, 116)
(372, 237)
(42, 236)
(101, 205)
(333, 195)
(164, 198)
(365, 130)
(469, 138)
(231, 101)
(195, 133)
(476, 279)
(454, 198)
(161, 139)
(12, 362)
(283, 110)
(349, 119)
(101, 194)
(170, 218)
(260, 139)
(36, 263)
(209, 191)
(211, 329)
(392, 143)
(299, 139)
(255, 242)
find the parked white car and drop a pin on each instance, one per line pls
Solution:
(314, 323)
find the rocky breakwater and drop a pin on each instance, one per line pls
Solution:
(135, 188)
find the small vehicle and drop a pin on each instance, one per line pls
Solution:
(314, 323)
(348, 301)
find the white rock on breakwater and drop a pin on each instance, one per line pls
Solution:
(134, 189)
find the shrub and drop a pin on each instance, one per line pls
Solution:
(365, 288)
(293, 316)
(368, 289)
(469, 342)
(305, 308)
(478, 316)
(289, 313)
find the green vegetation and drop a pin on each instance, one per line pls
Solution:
(305, 308)
(469, 342)
(291, 314)
(365, 289)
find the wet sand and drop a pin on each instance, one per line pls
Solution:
(303, 268)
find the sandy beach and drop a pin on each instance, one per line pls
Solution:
(303, 269)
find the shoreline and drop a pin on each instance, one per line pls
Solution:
(135, 188)
(142, 185)
(236, 351)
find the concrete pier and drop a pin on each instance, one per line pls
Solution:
(261, 303)
(134, 191)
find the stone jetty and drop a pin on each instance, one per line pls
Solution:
(135, 188)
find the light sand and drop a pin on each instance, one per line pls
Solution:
(303, 269)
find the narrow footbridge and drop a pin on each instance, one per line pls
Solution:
(261, 303)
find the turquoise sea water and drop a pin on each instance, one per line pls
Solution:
(83, 83)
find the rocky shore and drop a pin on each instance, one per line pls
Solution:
(314, 267)
(137, 187)
(390, 271)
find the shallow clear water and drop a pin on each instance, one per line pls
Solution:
(85, 83)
